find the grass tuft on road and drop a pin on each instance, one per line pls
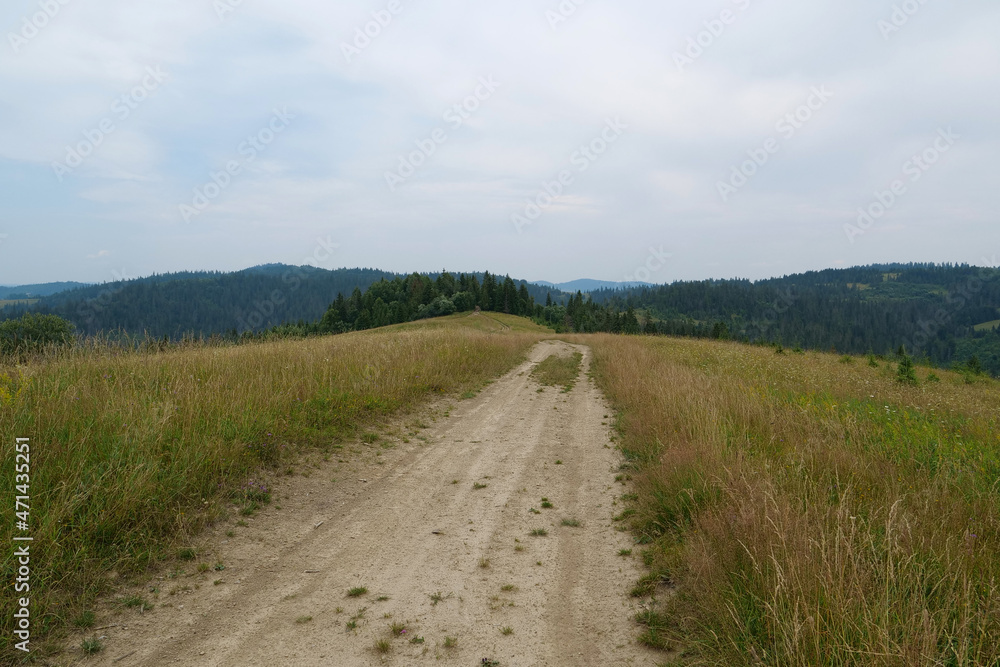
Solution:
(555, 371)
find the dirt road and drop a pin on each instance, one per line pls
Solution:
(439, 533)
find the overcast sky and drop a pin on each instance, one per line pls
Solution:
(591, 138)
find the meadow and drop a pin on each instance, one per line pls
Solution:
(807, 509)
(133, 451)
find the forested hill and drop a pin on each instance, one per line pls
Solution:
(945, 312)
(205, 303)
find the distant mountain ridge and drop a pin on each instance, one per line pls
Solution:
(213, 302)
(36, 291)
(586, 285)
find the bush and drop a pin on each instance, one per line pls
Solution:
(436, 308)
(32, 333)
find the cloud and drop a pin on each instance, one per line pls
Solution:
(353, 121)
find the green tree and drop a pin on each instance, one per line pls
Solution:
(32, 333)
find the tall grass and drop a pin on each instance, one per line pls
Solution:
(132, 450)
(796, 510)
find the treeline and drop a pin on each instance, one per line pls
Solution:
(294, 298)
(419, 296)
(932, 310)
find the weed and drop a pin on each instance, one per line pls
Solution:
(398, 629)
(303, 619)
(369, 438)
(546, 504)
(509, 588)
(203, 568)
(484, 562)
(417, 640)
(135, 601)
(187, 553)
(357, 591)
(86, 619)
(559, 462)
(624, 552)
(438, 597)
(479, 485)
(382, 646)
(539, 532)
(91, 645)
(450, 642)
(506, 630)
(572, 523)
(382, 598)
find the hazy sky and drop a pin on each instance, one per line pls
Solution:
(547, 140)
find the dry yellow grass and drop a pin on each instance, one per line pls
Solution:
(131, 451)
(798, 510)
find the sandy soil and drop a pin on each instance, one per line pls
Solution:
(444, 558)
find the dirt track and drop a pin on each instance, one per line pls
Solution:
(570, 605)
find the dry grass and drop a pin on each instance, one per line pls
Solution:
(807, 511)
(133, 451)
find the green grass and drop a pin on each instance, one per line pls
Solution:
(133, 451)
(357, 591)
(808, 511)
(555, 371)
(135, 602)
(539, 532)
(86, 619)
(92, 645)
(571, 523)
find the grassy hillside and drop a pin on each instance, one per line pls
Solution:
(133, 451)
(808, 509)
